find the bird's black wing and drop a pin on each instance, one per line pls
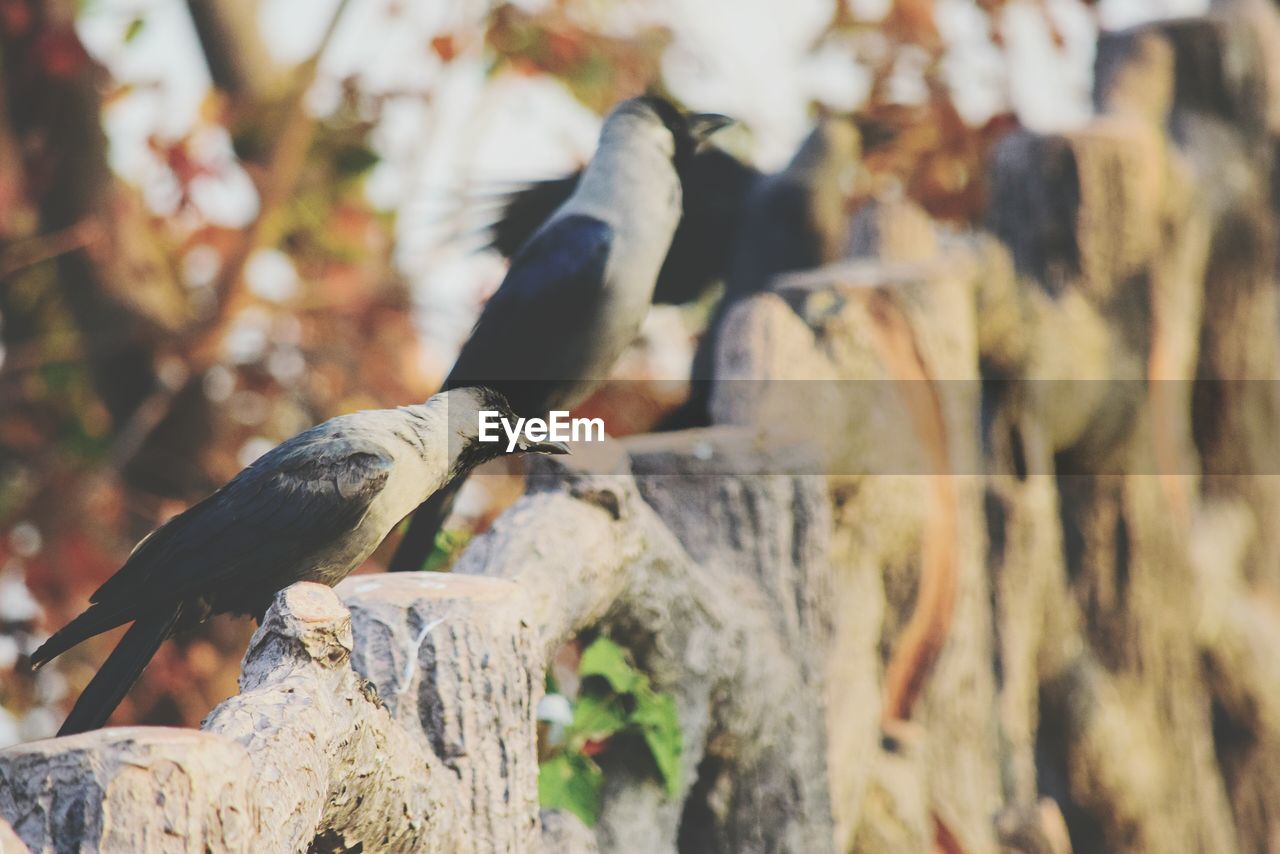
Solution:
(716, 185)
(526, 210)
(534, 331)
(533, 334)
(296, 500)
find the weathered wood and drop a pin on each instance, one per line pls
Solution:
(456, 663)
(1100, 579)
(877, 366)
(142, 789)
(593, 552)
(305, 756)
(424, 738)
(737, 515)
(333, 766)
(565, 834)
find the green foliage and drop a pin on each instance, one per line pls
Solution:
(655, 715)
(597, 718)
(615, 702)
(448, 545)
(606, 659)
(571, 781)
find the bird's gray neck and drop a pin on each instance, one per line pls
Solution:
(439, 434)
(631, 178)
(428, 432)
(425, 425)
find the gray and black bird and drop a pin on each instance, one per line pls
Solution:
(740, 226)
(581, 285)
(715, 187)
(793, 220)
(311, 509)
(718, 190)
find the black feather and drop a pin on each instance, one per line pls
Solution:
(97, 619)
(528, 346)
(526, 210)
(228, 554)
(547, 299)
(793, 220)
(121, 669)
(716, 186)
(296, 500)
(677, 122)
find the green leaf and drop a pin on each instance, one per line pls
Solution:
(135, 27)
(606, 659)
(615, 700)
(448, 545)
(655, 715)
(571, 781)
(597, 718)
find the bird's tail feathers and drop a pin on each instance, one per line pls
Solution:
(121, 669)
(99, 618)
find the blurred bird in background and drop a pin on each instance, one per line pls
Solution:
(580, 287)
(796, 219)
(740, 226)
(311, 509)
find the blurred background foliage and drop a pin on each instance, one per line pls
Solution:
(154, 343)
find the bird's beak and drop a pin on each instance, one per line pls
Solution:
(551, 448)
(703, 125)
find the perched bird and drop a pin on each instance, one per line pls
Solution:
(579, 289)
(311, 509)
(715, 187)
(793, 220)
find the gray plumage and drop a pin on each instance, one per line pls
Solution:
(311, 509)
(713, 187)
(577, 293)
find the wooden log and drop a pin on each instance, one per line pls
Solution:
(143, 789)
(331, 765)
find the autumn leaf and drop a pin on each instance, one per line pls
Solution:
(445, 46)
